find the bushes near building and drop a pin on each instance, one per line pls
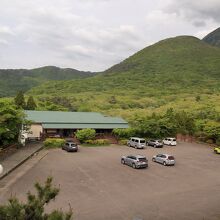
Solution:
(123, 142)
(98, 142)
(85, 134)
(54, 143)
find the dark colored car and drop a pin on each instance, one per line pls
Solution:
(155, 143)
(70, 146)
(137, 161)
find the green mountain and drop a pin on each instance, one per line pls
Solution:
(13, 80)
(170, 73)
(213, 38)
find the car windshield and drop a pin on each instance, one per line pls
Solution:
(171, 158)
(159, 141)
(174, 139)
(142, 141)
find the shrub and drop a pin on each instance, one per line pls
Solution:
(98, 142)
(54, 142)
(123, 142)
(85, 134)
(102, 142)
(89, 141)
(124, 133)
(209, 141)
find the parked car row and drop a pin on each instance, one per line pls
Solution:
(139, 161)
(140, 143)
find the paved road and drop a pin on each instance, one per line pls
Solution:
(18, 157)
(98, 187)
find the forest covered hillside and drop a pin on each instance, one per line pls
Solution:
(170, 73)
(181, 63)
(13, 80)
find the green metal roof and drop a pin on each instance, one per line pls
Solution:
(82, 126)
(55, 119)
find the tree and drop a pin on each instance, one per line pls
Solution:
(33, 209)
(20, 100)
(124, 132)
(212, 130)
(11, 120)
(85, 134)
(31, 105)
(185, 123)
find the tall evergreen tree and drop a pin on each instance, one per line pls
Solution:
(31, 104)
(20, 100)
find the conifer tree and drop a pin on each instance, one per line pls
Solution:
(31, 104)
(33, 209)
(20, 100)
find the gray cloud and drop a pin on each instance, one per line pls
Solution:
(195, 10)
(93, 34)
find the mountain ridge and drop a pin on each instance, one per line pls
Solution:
(13, 80)
(174, 69)
(213, 38)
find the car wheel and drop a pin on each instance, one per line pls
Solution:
(153, 159)
(129, 145)
(123, 161)
(164, 163)
(134, 166)
(155, 145)
(135, 147)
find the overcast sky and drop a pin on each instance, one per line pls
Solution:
(94, 34)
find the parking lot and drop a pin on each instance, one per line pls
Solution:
(99, 187)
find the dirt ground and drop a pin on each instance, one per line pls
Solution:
(99, 187)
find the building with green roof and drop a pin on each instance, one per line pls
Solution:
(64, 124)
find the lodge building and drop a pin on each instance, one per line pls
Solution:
(64, 124)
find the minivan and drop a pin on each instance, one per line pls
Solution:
(137, 143)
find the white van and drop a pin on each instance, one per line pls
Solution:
(169, 141)
(137, 142)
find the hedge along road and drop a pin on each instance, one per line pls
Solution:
(99, 187)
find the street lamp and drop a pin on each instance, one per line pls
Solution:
(1, 169)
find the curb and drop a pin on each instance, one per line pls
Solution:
(20, 163)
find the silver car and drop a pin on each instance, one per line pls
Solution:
(164, 159)
(70, 146)
(155, 143)
(138, 143)
(136, 161)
